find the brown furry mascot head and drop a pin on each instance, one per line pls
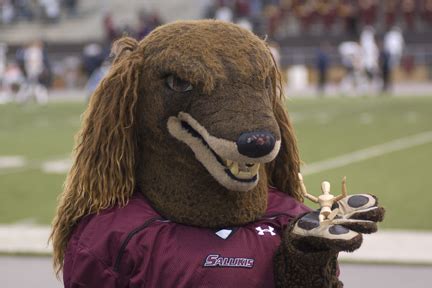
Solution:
(192, 117)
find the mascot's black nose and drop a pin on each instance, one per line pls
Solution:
(255, 144)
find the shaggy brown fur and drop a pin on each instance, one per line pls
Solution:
(124, 144)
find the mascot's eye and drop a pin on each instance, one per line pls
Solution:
(177, 84)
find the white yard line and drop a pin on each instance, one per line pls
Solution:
(60, 166)
(8, 162)
(394, 246)
(371, 152)
(18, 164)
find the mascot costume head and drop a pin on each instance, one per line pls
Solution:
(193, 118)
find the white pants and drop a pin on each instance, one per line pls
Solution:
(33, 89)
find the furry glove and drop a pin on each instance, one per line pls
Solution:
(308, 253)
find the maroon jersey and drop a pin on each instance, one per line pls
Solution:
(135, 247)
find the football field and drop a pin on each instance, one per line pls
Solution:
(382, 144)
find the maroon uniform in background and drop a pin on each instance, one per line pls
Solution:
(135, 247)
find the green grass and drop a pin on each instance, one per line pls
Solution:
(331, 127)
(37, 133)
(325, 128)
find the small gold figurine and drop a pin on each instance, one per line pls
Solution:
(326, 200)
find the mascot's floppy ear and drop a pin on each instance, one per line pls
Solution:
(282, 172)
(103, 173)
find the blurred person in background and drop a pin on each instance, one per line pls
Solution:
(7, 11)
(224, 12)
(37, 73)
(71, 7)
(143, 24)
(147, 22)
(110, 29)
(96, 77)
(370, 55)
(351, 56)
(385, 67)
(242, 8)
(13, 83)
(275, 51)
(11, 78)
(245, 23)
(208, 9)
(255, 8)
(24, 9)
(92, 57)
(3, 50)
(322, 66)
(394, 43)
(391, 55)
(51, 10)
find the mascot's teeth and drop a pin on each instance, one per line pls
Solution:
(244, 175)
(242, 170)
(234, 168)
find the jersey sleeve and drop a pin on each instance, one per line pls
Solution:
(89, 271)
(282, 208)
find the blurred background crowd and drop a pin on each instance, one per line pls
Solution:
(281, 18)
(359, 46)
(48, 11)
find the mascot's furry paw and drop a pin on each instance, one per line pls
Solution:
(308, 254)
(357, 214)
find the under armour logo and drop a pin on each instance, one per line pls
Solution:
(261, 231)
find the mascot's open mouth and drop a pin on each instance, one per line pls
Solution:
(244, 172)
(219, 156)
